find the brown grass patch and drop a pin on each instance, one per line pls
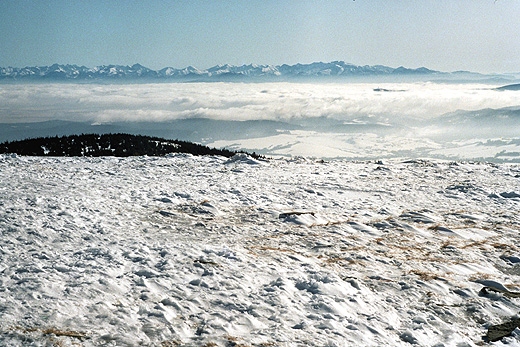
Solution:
(331, 259)
(500, 245)
(52, 335)
(171, 343)
(424, 275)
(54, 331)
(271, 248)
(67, 333)
(354, 248)
(479, 243)
(479, 276)
(448, 243)
(490, 242)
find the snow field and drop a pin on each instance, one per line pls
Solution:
(196, 251)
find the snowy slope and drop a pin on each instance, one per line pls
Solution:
(206, 251)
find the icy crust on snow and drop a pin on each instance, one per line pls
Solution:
(197, 251)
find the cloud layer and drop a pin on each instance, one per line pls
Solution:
(357, 121)
(381, 103)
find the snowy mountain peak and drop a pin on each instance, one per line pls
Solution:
(60, 72)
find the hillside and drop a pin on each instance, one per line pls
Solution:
(118, 145)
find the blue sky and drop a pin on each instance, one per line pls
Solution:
(447, 35)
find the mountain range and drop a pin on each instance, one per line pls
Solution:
(59, 72)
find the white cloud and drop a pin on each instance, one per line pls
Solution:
(239, 101)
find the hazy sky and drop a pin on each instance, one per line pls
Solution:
(447, 35)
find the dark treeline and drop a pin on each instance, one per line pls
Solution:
(118, 145)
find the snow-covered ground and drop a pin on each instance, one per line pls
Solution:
(205, 251)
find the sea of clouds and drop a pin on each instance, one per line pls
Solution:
(417, 112)
(243, 101)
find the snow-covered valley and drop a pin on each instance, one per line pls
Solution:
(206, 251)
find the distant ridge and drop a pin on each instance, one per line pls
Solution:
(117, 145)
(138, 72)
(510, 87)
